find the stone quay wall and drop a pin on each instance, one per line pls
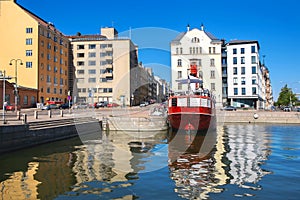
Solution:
(254, 116)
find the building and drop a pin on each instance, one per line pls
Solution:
(35, 53)
(197, 47)
(246, 84)
(268, 90)
(27, 96)
(107, 69)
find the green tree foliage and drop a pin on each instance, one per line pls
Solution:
(286, 97)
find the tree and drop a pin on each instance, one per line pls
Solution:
(286, 97)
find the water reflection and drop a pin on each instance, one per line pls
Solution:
(122, 165)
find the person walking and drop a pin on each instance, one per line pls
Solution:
(5, 105)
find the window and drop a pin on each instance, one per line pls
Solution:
(234, 51)
(235, 71)
(179, 86)
(177, 51)
(212, 86)
(235, 91)
(253, 60)
(234, 60)
(48, 56)
(28, 64)
(92, 80)
(179, 74)
(179, 62)
(25, 100)
(200, 62)
(60, 91)
(253, 80)
(48, 90)
(28, 30)
(55, 80)
(92, 54)
(212, 74)
(55, 69)
(243, 70)
(80, 71)
(28, 41)
(80, 55)
(48, 79)
(61, 81)
(55, 39)
(243, 81)
(80, 80)
(212, 62)
(48, 67)
(80, 47)
(181, 50)
(243, 60)
(243, 91)
(253, 90)
(92, 71)
(191, 50)
(195, 40)
(252, 49)
(55, 59)
(253, 70)
(80, 63)
(32, 100)
(242, 50)
(28, 52)
(92, 63)
(92, 46)
(102, 80)
(54, 90)
(235, 81)
(48, 35)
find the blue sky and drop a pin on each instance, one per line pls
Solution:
(274, 24)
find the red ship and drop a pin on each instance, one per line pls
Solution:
(193, 110)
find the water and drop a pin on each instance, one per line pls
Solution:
(248, 161)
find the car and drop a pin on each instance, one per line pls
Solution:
(143, 104)
(298, 109)
(81, 106)
(12, 107)
(66, 105)
(287, 109)
(50, 107)
(229, 108)
(110, 105)
(100, 104)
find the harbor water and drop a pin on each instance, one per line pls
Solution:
(248, 161)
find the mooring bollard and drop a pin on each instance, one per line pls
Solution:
(49, 113)
(24, 121)
(35, 114)
(61, 113)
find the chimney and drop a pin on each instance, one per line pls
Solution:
(202, 27)
(188, 28)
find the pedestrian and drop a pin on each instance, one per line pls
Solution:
(5, 105)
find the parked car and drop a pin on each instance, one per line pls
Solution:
(143, 104)
(298, 109)
(66, 105)
(50, 106)
(100, 104)
(81, 106)
(112, 105)
(287, 109)
(12, 107)
(229, 108)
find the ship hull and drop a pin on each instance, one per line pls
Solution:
(190, 121)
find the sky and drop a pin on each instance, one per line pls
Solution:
(153, 24)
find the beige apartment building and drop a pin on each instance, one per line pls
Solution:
(33, 52)
(106, 69)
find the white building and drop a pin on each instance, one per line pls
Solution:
(246, 85)
(200, 48)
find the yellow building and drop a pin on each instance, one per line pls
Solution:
(34, 52)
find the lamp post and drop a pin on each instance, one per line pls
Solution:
(2, 76)
(16, 78)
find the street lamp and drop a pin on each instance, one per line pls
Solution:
(2, 76)
(16, 77)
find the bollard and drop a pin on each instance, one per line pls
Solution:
(61, 113)
(24, 121)
(18, 115)
(35, 114)
(49, 113)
